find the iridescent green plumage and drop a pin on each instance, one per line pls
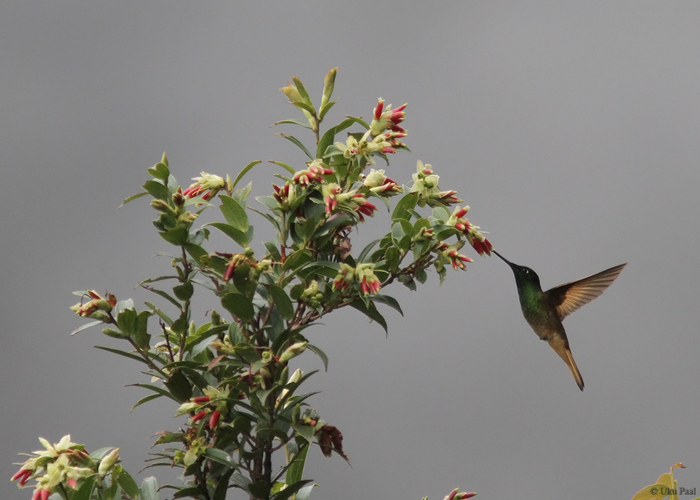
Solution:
(544, 311)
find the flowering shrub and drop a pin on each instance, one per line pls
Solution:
(229, 377)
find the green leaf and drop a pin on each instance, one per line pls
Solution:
(176, 236)
(134, 197)
(328, 86)
(239, 306)
(140, 335)
(163, 294)
(284, 166)
(305, 492)
(652, 492)
(366, 251)
(318, 352)
(296, 141)
(402, 208)
(236, 235)
(195, 251)
(179, 386)
(302, 90)
(184, 291)
(295, 471)
(297, 259)
(122, 353)
(86, 326)
(219, 456)
(328, 137)
(193, 492)
(294, 122)
(149, 489)
(325, 109)
(259, 489)
(245, 170)
(85, 490)
(145, 400)
(157, 390)
(128, 484)
(371, 312)
(222, 487)
(389, 301)
(234, 213)
(157, 190)
(159, 171)
(282, 301)
(290, 490)
(126, 321)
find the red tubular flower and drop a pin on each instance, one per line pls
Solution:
(214, 419)
(199, 416)
(40, 495)
(23, 475)
(201, 399)
(364, 207)
(369, 286)
(458, 259)
(378, 110)
(482, 246)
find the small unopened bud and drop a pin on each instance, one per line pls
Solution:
(107, 462)
(292, 351)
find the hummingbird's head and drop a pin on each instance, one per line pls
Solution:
(522, 274)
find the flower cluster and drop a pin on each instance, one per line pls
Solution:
(362, 274)
(313, 174)
(97, 307)
(62, 466)
(350, 201)
(455, 495)
(380, 185)
(206, 186)
(471, 232)
(425, 185)
(387, 119)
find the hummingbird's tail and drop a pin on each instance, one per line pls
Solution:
(561, 347)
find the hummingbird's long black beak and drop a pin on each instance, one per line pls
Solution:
(502, 257)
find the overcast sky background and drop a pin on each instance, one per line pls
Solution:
(571, 128)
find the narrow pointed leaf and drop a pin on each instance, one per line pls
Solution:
(318, 352)
(284, 166)
(145, 400)
(86, 326)
(294, 122)
(371, 312)
(122, 353)
(296, 141)
(133, 197)
(245, 170)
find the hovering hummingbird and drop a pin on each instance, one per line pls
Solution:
(544, 311)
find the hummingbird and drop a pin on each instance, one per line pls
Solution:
(544, 311)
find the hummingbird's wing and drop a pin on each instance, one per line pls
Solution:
(568, 297)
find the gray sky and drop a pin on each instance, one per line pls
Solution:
(571, 128)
